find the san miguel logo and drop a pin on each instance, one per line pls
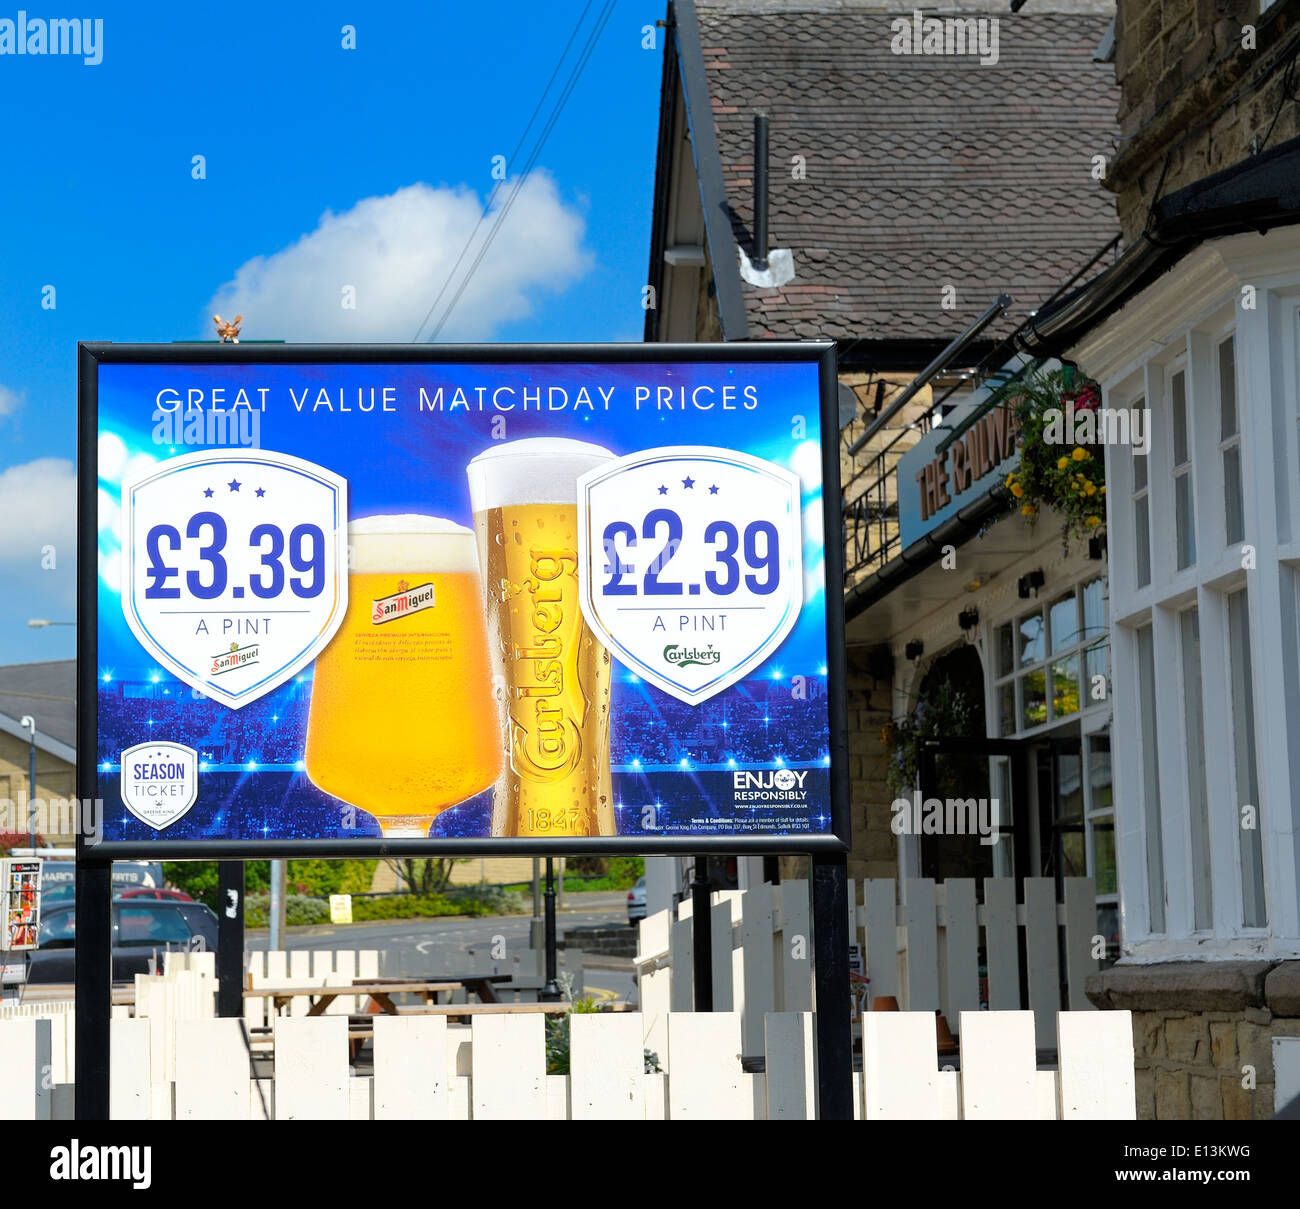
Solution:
(690, 656)
(235, 658)
(405, 600)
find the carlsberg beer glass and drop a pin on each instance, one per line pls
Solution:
(554, 674)
(403, 723)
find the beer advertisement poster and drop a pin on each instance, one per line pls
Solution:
(442, 599)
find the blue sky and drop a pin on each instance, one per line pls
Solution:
(325, 170)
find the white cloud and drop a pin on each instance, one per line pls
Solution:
(396, 252)
(10, 401)
(38, 501)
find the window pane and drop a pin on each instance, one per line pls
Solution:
(1064, 614)
(1103, 854)
(1184, 518)
(1031, 638)
(1069, 804)
(1097, 663)
(1074, 854)
(1233, 508)
(1099, 772)
(1243, 735)
(1007, 709)
(152, 926)
(1065, 686)
(1227, 389)
(1094, 610)
(1140, 466)
(1151, 779)
(1034, 689)
(1178, 407)
(1198, 807)
(1006, 649)
(1142, 509)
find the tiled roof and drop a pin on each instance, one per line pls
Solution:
(922, 171)
(47, 692)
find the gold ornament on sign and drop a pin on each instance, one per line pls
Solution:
(229, 332)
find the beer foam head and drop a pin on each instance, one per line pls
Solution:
(540, 470)
(410, 542)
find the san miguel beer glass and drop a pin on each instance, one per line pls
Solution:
(403, 723)
(555, 675)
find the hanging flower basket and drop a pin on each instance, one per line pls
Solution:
(942, 712)
(1056, 472)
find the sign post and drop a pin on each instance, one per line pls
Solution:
(389, 601)
(230, 938)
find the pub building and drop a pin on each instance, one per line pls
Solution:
(1129, 697)
(867, 228)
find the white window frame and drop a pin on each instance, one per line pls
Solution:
(1180, 322)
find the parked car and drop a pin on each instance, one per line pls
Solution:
(636, 901)
(142, 931)
(148, 892)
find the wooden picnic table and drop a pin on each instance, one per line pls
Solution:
(52, 992)
(380, 992)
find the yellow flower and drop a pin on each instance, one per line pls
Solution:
(1011, 478)
(1091, 489)
(1092, 521)
(1062, 462)
(1017, 490)
(1103, 491)
(1028, 510)
(1080, 454)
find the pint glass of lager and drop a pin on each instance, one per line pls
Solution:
(403, 723)
(553, 672)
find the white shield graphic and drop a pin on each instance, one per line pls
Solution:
(234, 567)
(690, 564)
(160, 782)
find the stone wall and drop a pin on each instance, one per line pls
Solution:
(55, 781)
(1203, 1034)
(1196, 95)
(875, 848)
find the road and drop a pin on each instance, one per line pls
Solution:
(460, 934)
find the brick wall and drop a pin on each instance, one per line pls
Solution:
(1180, 65)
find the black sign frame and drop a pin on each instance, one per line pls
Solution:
(92, 355)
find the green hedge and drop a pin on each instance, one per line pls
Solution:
(298, 909)
(302, 909)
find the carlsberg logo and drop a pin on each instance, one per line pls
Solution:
(685, 656)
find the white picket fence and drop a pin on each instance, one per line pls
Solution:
(198, 1068)
(923, 951)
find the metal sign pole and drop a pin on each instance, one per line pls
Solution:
(830, 905)
(550, 993)
(93, 994)
(702, 936)
(230, 938)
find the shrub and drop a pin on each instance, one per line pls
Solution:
(298, 909)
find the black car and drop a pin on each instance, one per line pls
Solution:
(142, 931)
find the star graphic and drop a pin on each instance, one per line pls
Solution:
(688, 482)
(208, 493)
(233, 484)
(663, 490)
(713, 490)
(261, 491)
